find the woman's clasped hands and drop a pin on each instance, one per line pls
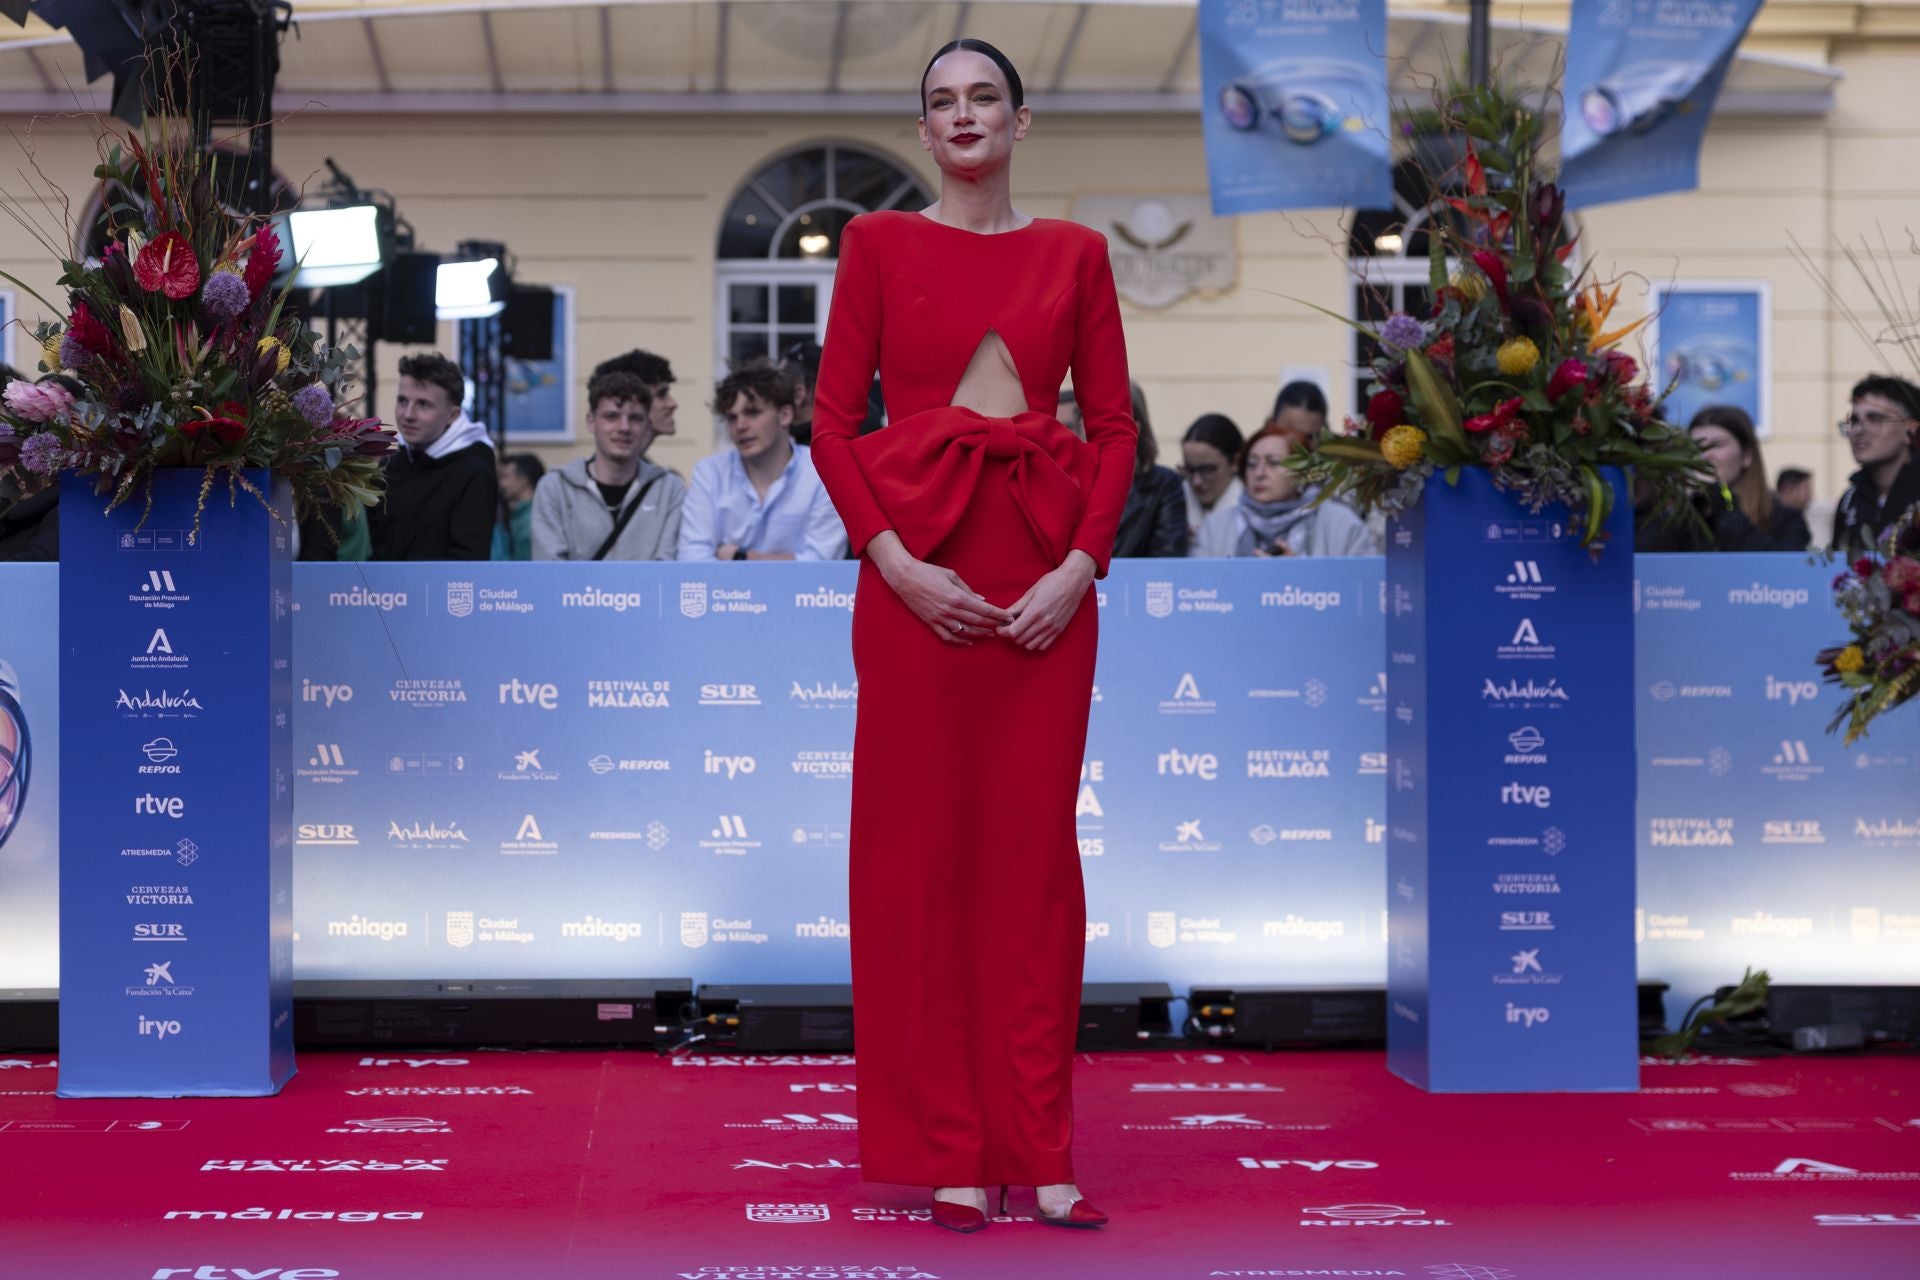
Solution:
(959, 615)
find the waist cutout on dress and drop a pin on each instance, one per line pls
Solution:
(925, 468)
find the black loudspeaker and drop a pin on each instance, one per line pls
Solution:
(526, 327)
(404, 306)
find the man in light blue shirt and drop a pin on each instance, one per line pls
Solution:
(762, 499)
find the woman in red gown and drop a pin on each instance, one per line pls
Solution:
(981, 523)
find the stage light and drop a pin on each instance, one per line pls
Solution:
(814, 244)
(334, 246)
(1388, 243)
(471, 290)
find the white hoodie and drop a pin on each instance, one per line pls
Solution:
(460, 433)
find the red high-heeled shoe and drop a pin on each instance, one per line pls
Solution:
(1079, 1214)
(963, 1218)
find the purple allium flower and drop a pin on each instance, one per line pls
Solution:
(40, 453)
(224, 295)
(314, 403)
(1402, 332)
(73, 353)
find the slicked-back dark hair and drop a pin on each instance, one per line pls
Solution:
(1302, 395)
(967, 44)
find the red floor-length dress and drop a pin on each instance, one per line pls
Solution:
(967, 911)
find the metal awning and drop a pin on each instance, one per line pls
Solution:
(823, 56)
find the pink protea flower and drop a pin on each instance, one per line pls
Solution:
(37, 401)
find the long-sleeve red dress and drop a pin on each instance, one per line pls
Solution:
(968, 914)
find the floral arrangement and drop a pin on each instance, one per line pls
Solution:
(1879, 595)
(1516, 369)
(183, 350)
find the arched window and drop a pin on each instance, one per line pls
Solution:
(781, 236)
(1388, 268)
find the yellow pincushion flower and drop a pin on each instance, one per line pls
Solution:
(1403, 446)
(50, 353)
(1850, 659)
(1470, 283)
(1517, 356)
(274, 344)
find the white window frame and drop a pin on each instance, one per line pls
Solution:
(771, 272)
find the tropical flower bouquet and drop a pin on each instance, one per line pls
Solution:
(1516, 368)
(183, 350)
(1880, 596)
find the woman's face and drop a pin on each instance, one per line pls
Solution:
(1208, 471)
(969, 122)
(1268, 478)
(1300, 421)
(1722, 450)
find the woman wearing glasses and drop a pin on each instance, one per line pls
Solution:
(1207, 454)
(1880, 429)
(1274, 516)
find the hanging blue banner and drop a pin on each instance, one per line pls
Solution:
(1640, 83)
(1294, 104)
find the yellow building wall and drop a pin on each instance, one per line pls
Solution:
(627, 208)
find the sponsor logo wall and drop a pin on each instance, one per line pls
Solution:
(636, 768)
(175, 689)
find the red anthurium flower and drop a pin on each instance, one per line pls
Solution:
(167, 265)
(1441, 350)
(225, 430)
(1502, 416)
(227, 426)
(1496, 271)
(1385, 411)
(1571, 373)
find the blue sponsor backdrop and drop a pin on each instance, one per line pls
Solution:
(29, 795)
(1640, 83)
(175, 862)
(1710, 345)
(656, 848)
(1294, 104)
(1510, 844)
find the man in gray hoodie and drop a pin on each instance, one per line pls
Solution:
(614, 505)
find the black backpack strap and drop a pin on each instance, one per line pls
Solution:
(620, 525)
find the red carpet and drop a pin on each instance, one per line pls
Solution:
(501, 1164)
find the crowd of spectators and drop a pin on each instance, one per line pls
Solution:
(449, 498)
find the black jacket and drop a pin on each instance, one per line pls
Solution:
(1727, 529)
(1861, 515)
(30, 528)
(437, 508)
(1154, 521)
(1788, 528)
